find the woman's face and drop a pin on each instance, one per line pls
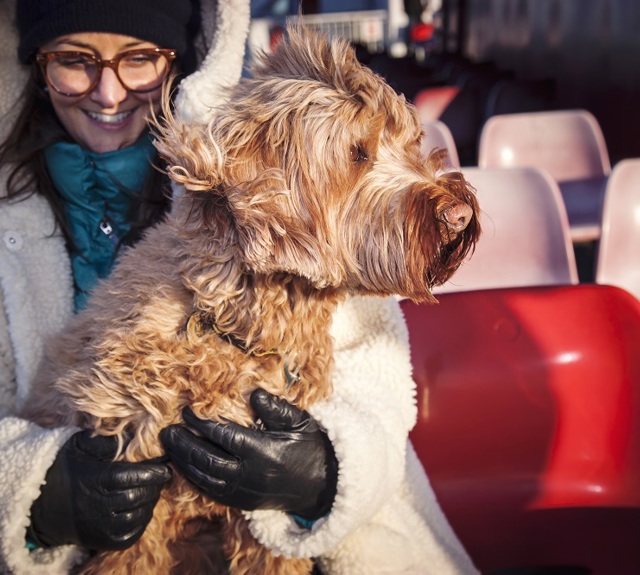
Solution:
(109, 117)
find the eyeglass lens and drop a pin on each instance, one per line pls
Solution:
(75, 74)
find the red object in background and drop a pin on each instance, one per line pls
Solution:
(532, 440)
(432, 102)
(275, 35)
(421, 32)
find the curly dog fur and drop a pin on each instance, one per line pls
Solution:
(309, 186)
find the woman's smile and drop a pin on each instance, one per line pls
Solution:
(112, 119)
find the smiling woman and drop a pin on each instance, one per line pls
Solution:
(77, 183)
(80, 139)
(102, 86)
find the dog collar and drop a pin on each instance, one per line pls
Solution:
(201, 322)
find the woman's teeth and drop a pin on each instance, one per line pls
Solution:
(109, 118)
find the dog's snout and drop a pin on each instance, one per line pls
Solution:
(458, 217)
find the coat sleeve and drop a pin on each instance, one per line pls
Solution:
(409, 535)
(26, 452)
(368, 419)
(385, 519)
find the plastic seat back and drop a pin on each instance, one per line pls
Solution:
(438, 136)
(525, 237)
(618, 256)
(529, 424)
(569, 144)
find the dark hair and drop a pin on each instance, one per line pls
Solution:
(35, 128)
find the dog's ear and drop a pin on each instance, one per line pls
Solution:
(274, 236)
(194, 159)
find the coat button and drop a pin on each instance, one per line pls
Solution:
(13, 241)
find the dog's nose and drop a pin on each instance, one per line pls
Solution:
(458, 217)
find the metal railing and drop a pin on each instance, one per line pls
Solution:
(367, 28)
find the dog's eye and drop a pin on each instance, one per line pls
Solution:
(357, 154)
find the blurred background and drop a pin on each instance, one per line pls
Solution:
(528, 369)
(565, 53)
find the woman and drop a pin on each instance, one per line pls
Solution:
(76, 186)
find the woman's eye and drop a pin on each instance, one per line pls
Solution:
(73, 61)
(139, 59)
(357, 154)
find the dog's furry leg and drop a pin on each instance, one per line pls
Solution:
(200, 550)
(170, 545)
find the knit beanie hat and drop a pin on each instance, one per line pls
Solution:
(163, 22)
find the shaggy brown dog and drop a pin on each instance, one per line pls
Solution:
(309, 186)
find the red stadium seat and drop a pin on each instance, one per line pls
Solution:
(531, 432)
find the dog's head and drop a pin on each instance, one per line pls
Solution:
(318, 164)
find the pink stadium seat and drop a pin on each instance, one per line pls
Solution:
(618, 256)
(569, 144)
(525, 237)
(438, 136)
(529, 424)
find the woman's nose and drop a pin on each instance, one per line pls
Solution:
(109, 91)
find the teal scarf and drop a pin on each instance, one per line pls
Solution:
(97, 192)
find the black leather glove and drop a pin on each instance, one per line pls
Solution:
(289, 464)
(92, 501)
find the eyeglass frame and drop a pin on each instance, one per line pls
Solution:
(44, 58)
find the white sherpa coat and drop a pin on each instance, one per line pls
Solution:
(385, 518)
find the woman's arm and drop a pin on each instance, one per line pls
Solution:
(367, 419)
(385, 519)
